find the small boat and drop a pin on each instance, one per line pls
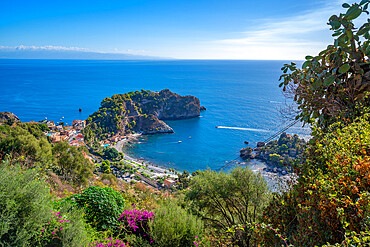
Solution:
(189, 137)
(179, 141)
(216, 126)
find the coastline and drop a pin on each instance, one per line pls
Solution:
(274, 180)
(157, 171)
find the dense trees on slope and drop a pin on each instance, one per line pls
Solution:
(329, 203)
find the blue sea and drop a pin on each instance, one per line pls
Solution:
(241, 96)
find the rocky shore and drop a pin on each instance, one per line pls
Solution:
(278, 154)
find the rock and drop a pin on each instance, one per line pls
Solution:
(260, 144)
(8, 116)
(143, 112)
(247, 153)
(246, 142)
(283, 172)
(202, 108)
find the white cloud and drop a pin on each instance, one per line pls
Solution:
(292, 37)
(42, 48)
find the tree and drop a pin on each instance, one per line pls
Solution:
(228, 199)
(71, 164)
(32, 151)
(111, 153)
(331, 84)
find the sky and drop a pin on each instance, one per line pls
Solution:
(185, 29)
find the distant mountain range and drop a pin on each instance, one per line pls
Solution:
(55, 52)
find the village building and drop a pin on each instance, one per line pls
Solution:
(68, 127)
(169, 183)
(80, 137)
(78, 124)
(59, 128)
(74, 143)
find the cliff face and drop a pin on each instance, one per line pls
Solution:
(142, 111)
(171, 106)
(8, 116)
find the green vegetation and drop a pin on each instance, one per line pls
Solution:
(49, 195)
(329, 203)
(102, 207)
(25, 205)
(112, 154)
(174, 226)
(113, 112)
(330, 84)
(228, 199)
(286, 150)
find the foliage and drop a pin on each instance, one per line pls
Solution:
(111, 154)
(331, 197)
(183, 180)
(228, 199)
(331, 83)
(109, 242)
(136, 222)
(71, 164)
(102, 207)
(108, 119)
(174, 226)
(25, 205)
(105, 167)
(33, 151)
(110, 177)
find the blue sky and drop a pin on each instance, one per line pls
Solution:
(190, 29)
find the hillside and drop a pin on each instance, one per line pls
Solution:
(140, 112)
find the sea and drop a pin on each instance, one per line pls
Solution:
(242, 98)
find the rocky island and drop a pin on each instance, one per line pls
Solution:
(140, 112)
(282, 152)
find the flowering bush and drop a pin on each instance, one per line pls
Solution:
(136, 222)
(52, 231)
(109, 242)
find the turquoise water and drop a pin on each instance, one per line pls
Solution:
(243, 95)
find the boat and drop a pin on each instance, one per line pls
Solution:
(189, 137)
(179, 141)
(216, 126)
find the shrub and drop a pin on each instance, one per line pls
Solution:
(25, 205)
(109, 242)
(331, 198)
(174, 226)
(228, 199)
(136, 222)
(102, 207)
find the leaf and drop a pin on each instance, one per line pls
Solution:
(363, 30)
(335, 24)
(346, 5)
(353, 12)
(306, 64)
(329, 80)
(309, 57)
(344, 68)
(363, 1)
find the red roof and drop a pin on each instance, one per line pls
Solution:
(79, 136)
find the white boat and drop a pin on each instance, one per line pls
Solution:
(179, 141)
